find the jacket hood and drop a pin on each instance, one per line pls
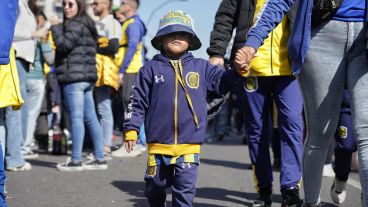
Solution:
(187, 57)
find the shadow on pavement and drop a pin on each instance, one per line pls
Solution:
(219, 194)
(225, 163)
(136, 190)
(42, 163)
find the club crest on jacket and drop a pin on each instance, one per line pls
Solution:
(192, 80)
(251, 84)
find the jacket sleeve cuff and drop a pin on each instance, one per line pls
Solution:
(244, 73)
(131, 135)
(253, 41)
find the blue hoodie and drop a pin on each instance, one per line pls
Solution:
(8, 14)
(160, 101)
(300, 37)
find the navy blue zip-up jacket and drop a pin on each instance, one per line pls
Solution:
(159, 100)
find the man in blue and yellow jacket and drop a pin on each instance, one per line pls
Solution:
(130, 56)
(9, 83)
(270, 78)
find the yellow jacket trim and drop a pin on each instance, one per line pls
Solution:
(130, 135)
(272, 57)
(244, 73)
(9, 84)
(174, 150)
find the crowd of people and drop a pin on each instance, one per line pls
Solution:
(296, 80)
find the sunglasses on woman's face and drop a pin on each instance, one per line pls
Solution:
(68, 4)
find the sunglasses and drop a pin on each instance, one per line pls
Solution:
(68, 5)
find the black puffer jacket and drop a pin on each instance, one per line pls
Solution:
(230, 15)
(75, 59)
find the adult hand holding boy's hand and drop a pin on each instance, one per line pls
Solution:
(129, 145)
(243, 58)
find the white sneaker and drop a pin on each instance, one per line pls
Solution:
(30, 155)
(70, 166)
(338, 191)
(328, 171)
(95, 165)
(141, 147)
(26, 167)
(121, 152)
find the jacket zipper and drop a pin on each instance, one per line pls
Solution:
(176, 115)
(271, 52)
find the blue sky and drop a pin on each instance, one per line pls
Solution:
(202, 11)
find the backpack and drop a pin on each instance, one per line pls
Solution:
(324, 10)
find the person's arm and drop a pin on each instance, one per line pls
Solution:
(139, 102)
(66, 38)
(221, 81)
(268, 19)
(134, 35)
(138, 105)
(8, 15)
(110, 49)
(114, 37)
(225, 22)
(47, 53)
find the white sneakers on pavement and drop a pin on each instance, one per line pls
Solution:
(338, 191)
(26, 167)
(121, 152)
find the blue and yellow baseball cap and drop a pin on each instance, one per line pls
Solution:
(176, 21)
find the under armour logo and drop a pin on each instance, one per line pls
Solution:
(159, 79)
(187, 164)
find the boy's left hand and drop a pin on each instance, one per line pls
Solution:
(129, 145)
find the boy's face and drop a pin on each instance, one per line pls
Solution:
(176, 44)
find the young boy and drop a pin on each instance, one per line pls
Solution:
(170, 97)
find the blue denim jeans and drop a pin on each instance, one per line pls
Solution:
(81, 107)
(35, 95)
(22, 73)
(336, 56)
(15, 122)
(104, 109)
(2, 169)
(142, 136)
(2, 130)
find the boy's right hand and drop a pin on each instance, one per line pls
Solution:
(129, 145)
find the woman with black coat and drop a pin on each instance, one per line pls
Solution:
(75, 63)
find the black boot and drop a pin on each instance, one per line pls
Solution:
(291, 198)
(264, 199)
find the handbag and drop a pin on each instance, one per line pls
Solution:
(324, 10)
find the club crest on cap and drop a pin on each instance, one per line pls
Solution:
(176, 17)
(176, 21)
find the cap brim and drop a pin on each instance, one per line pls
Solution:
(195, 43)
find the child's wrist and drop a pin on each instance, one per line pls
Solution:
(130, 135)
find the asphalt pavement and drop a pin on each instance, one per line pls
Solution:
(224, 180)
